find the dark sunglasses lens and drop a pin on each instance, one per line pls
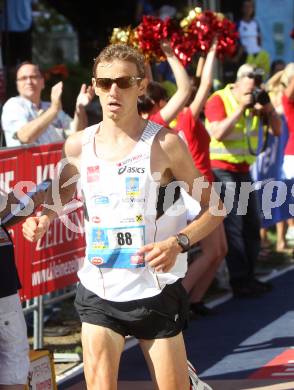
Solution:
(104, 83)
(121, 82)
(124, 82)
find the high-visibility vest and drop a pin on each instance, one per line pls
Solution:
(234, 147)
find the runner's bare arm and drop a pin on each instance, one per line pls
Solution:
(61, 191)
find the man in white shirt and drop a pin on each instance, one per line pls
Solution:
(27, 119)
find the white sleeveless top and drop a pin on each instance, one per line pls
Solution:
(248, 36)
(120, 217)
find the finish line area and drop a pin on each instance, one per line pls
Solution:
(248, 344)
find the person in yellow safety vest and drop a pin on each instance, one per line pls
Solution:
(233, 118)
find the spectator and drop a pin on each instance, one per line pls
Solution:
(28, 119)
(143, 7)
(275, 89)
(167, 11)
(16, 26)
(233, 119)
(281, 87)
(203, 267)
(250, 38)
(276, 66)
(153, 104)
(14, 347)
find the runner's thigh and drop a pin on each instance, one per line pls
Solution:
(167, 362)
(102, 348)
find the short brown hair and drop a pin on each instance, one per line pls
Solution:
(28, 63)
(122, 52)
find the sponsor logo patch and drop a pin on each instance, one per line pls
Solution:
(130, 160)
(97, 260)
(96, 219)
(137, 259)
(139, 218)
(100, 199)
(131, 200)
(127, 169)
(93, 173)
(132, 186)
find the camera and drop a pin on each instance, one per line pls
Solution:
(259, 96)
(255, 95)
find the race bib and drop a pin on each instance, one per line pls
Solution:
(116, 247)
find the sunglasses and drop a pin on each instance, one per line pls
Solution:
(122, 82)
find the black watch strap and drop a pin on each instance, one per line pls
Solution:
(184, 241)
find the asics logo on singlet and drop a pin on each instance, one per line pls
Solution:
(127, 169)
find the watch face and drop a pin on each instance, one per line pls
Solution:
(184, 239)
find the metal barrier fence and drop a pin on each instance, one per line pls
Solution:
(37, 306)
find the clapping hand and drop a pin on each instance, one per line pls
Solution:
(56, 92)
(85, 95)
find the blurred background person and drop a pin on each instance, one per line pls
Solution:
(281, 89)
(155, 104)
(251, 40)
(16, 26)
(213, 248)
(14, 346)
(27, 119)
(233, 119)
(276, 66)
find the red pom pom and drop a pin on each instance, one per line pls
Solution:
(151, 31)
(208, 25)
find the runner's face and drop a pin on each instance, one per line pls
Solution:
(118, 102)
(29, 82)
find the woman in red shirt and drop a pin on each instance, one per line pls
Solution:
(213, 247)
(155, 106)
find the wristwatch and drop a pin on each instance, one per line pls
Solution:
(183, 241)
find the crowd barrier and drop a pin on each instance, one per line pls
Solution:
(52, 263)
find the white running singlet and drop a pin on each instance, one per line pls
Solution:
(120, 217)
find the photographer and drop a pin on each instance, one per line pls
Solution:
(233, 120)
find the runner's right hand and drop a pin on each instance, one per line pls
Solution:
(35, 227)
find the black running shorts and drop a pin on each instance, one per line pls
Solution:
(164, 315)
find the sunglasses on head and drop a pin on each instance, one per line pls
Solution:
(122, 82)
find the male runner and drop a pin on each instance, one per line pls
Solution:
(135, 224)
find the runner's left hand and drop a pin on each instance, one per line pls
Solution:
(161, 255)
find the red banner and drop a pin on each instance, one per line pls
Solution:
(53, 262)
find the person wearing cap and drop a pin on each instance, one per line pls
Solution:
(233, 118)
